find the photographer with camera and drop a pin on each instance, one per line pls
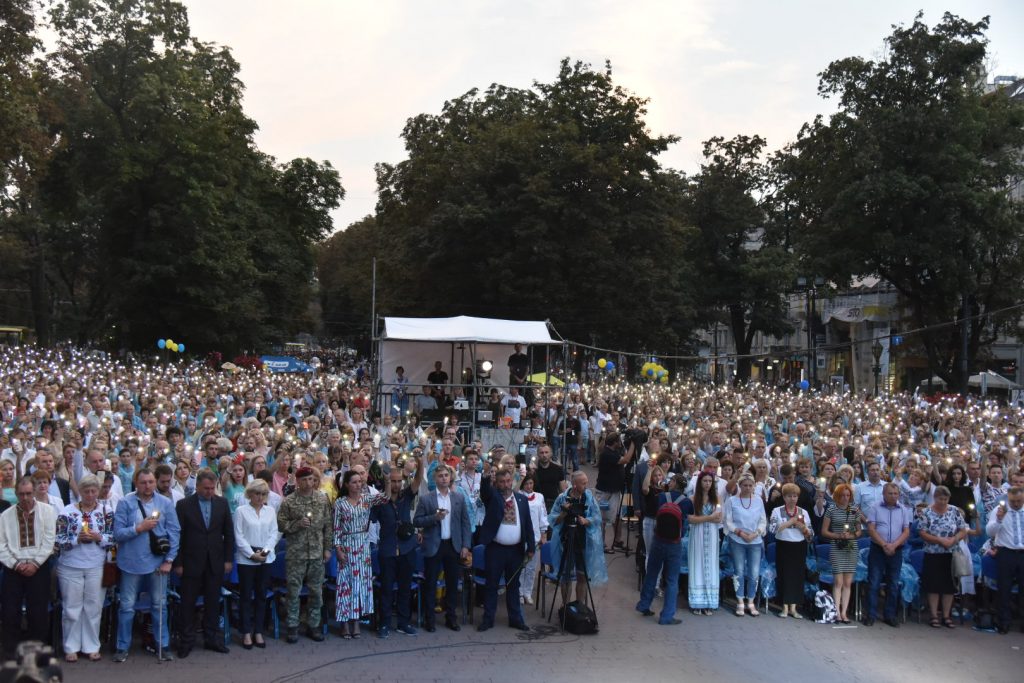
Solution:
(575, 523)
(147, 534)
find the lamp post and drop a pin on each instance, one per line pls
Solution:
(810, 285)
(876, 351)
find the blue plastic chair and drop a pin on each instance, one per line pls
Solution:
(917, 562)
(824, 564)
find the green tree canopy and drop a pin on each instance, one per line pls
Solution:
(166, 219)
(545, 203)
(908, 181)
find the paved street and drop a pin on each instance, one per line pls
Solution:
(722, 647)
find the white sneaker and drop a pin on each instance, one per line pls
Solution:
(528, 600)
(522, 600)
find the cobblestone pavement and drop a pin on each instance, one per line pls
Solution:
(629, 648)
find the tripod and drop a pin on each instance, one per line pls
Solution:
(569, 550)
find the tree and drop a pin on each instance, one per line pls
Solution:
(344, 271)
(908, 181)
(545, 203)
(743, 269)
(176, 215)
(26, 144)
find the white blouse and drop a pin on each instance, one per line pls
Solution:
(791, 533)
(255, 530)
(745, 515)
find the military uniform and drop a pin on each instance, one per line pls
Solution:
(304, 558)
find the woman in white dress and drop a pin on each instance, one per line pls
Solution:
(702, 555)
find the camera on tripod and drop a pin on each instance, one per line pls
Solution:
(574, 509)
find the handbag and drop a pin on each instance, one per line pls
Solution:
(111, 573)
(812, 576)
(962, 565)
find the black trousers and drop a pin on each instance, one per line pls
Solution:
(34, 593)
(448, 559)
(207, 586)
(253, 582)
(1009, 568)
(396, 569)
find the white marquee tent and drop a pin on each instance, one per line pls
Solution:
(459, 342)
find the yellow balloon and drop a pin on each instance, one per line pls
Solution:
(601, 363)
(173, 347)
(664, 379)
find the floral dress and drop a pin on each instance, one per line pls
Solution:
(69, 526)
(355, 579)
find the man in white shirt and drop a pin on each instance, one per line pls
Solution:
(27, 534)
(94, 464)
(1006, 528)
(870, 493)
(443, 517)
(513, 405)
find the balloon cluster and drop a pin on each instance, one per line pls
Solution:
(606, 364)
(170, 345)
(655, 372)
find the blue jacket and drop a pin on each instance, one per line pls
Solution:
(426, 519)
(133, 553)
(495, 512)
(389, 515)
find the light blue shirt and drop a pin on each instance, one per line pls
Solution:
(867, 495)
(133, 553)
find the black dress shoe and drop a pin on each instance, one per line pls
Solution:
(647, 613)
(484, 626)
(217, 647)
(430, 628)
(452, 625)
(1003, 630)
(184, 652)
(316, 635)
(868, 621)
(246, 646)
(895, 623)
(519, 627)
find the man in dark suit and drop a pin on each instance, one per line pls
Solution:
(507, 534)
(444, 518)
(204, 557)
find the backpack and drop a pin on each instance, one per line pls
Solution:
(825, 608)
(668, 522)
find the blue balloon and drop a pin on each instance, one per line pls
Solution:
(181, 348)
(804, 385)
(161, 343)
(609, 366)
(650, 372)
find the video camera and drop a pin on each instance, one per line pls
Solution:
(35, 663)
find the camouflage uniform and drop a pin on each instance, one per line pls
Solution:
(304, 556)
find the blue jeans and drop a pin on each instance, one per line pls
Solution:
(662, 558)
(572, 456)
(131, 586)
(882, 566)
(746, 562)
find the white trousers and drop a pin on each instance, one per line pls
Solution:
(529, 575)
(82, 597)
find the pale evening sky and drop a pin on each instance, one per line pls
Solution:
(336, 80)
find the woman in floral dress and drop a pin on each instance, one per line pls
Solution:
(352, 545)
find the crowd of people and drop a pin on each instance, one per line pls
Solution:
(149, 483)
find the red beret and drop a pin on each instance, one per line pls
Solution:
(303, 471)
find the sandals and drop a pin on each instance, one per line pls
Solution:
(753, 611)
(948, 623)
(71, 657)
(796, 615)
(708, 612)
(934, 623)
(740, 611)
(697, 612)
(95, 656)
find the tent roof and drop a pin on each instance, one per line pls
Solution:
(467, 329)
